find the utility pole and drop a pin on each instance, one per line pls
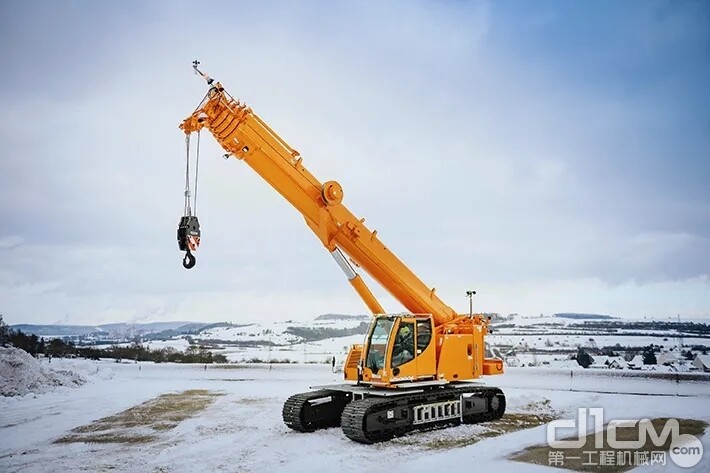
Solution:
(470, 295)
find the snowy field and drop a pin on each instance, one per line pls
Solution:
(320, 351)
(242, 429)
(545, 341)
(275, 332)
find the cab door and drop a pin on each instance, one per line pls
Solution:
(402, 356)
(413, 353)
(425, 348)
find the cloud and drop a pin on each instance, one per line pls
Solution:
(10, 242)
(531, 156)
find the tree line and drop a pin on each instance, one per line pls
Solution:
(314, 334)
(56, 347)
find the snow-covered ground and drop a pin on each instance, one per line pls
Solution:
(275, 332)
(523, 320)
(243, 431)
(556, 342)
(320, 351)
(179, 344)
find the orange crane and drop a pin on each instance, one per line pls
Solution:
(413, 370)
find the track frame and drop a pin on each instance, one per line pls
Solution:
(370, 415)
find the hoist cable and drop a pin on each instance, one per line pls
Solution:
(197, 170)
(186, 209)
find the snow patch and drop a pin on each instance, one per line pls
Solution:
(22, 374)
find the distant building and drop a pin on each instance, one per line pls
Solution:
(636, 363)
(666, 358)
(702, 362)
(601, 362)
(658, 368)
(684, 366)
(617, 363)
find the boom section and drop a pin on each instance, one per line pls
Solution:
(247, 137)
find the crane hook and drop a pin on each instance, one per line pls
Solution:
(188, 262)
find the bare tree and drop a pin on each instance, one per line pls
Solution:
(4, 332)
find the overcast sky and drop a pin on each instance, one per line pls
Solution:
(554, 156)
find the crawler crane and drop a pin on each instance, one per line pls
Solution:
(413, 370)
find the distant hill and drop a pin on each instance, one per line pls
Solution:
(117, 329)
(343, 317)
(57, 330)
(311, 334)
(191, 328)
(573, 315)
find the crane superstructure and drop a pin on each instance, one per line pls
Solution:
(412, 369)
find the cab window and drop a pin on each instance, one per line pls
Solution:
(403, 350)
(378, 343)
(423, 335)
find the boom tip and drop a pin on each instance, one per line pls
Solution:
(207, 78)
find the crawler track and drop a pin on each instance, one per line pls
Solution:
(307, 412)
(377, 419)
(380, 418)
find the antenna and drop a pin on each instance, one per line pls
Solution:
(470, 295)
(207, 78)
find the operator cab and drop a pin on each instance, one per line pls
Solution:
(399, 348)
